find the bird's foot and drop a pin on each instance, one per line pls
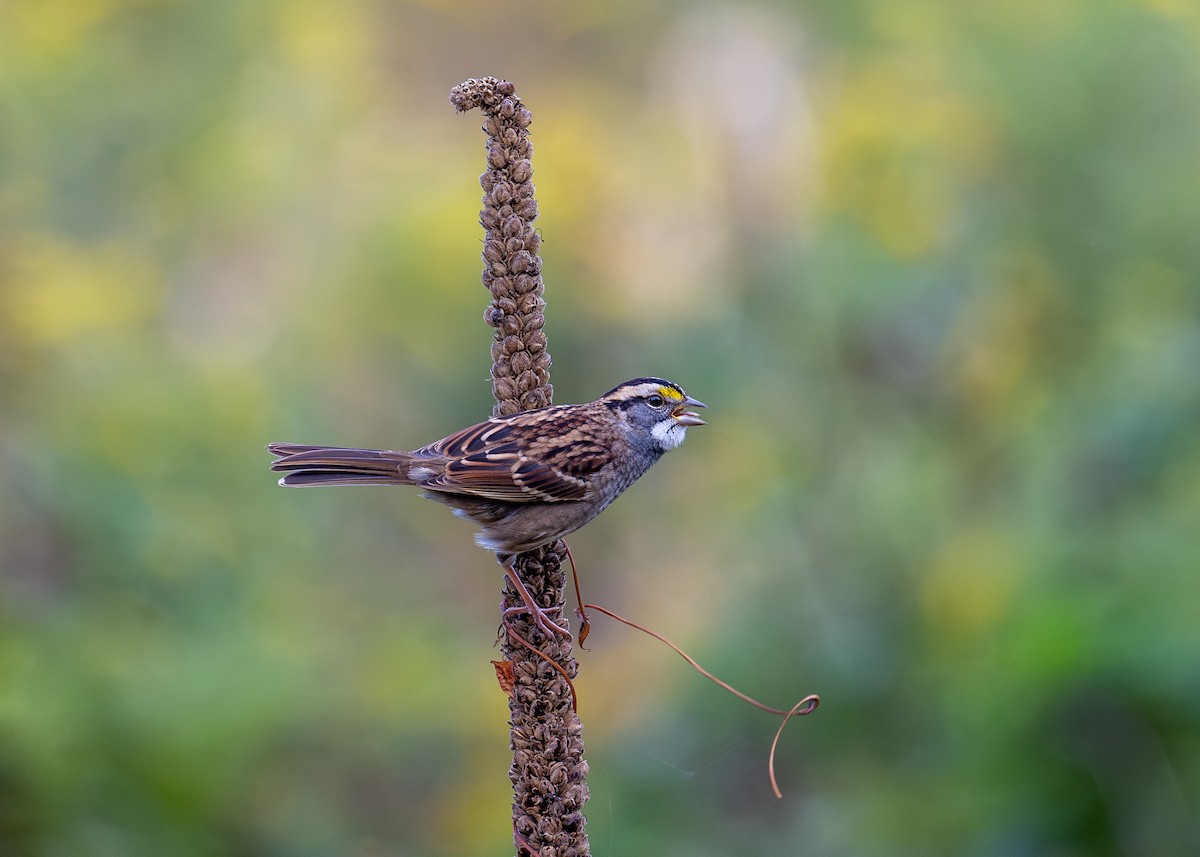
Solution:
(539, 615)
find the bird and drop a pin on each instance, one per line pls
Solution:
(527, 479)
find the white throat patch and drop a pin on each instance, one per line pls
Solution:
(668, 433)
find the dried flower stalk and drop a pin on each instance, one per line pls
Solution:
(548, 770)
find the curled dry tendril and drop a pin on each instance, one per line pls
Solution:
(805, 706)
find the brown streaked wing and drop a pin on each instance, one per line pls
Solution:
(506, 459)
(471, 440)
(508, 478)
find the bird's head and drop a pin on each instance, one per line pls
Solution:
(656, 407)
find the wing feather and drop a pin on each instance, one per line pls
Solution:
(509, 459)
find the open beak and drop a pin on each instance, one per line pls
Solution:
(688, 418)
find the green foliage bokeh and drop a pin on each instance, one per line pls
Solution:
(934, 266)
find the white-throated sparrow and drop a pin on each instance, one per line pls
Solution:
(527, 480)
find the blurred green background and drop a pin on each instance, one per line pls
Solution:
(935, 267)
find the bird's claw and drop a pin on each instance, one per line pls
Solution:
(539, 615)
(541, 618)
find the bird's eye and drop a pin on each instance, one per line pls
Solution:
(655, 401)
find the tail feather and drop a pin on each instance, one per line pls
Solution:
(307, 466)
